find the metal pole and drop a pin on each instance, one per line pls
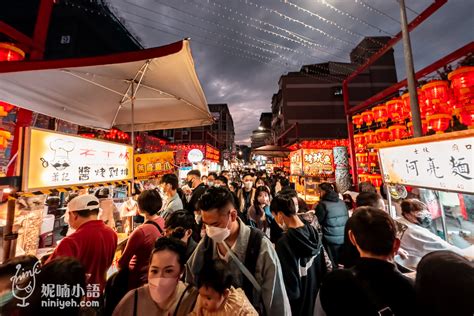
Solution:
(443, 221)
(8, 237)
(410, 70)
(132, 99)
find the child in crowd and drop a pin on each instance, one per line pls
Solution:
(217, 297)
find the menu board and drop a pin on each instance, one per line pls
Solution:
(443, 165)
(317, 161)
(148, 165)
(56, 160)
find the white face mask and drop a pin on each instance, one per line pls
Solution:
(161, 288)
(210, 183)
(248, 185)
(218, 234)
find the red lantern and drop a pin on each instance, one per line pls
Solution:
(373, 159)
(376, 180)
(9, 52)
(383, 134)
(364, 177)
(396, 110)
(357, 120)
(467, 116)
(370, 138)
(359, 141)
(424, 128)
(439, 122)
(368, 117)
(397, 132)
(362, 158)
(436, 91)
(380, 113)
(462, 83)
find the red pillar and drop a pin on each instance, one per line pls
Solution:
(24, 116)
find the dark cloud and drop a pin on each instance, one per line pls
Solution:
(234, 65)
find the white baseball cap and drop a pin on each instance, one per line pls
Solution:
(83, 202)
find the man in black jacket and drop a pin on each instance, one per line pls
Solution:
(373, 286)
(301, 256)
(193, 180)
(332, 215)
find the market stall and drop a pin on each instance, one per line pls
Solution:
(445, 104)
(153, 88)
(204, 158)
(315, 162)
(55, 163)
(441, 167)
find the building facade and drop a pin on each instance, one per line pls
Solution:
(263, 134)
(220, 135)
(309, 104)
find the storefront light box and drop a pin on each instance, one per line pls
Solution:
(53, 160)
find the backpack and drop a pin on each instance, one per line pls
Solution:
(251, 256)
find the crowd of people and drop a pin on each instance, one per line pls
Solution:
(246, 244)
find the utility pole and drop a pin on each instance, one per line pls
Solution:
(410, 71)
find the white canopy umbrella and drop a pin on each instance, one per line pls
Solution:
(150, 89)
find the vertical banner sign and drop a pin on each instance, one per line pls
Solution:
(296, 163)
(443, 165)
(57, 160)
(148, 165)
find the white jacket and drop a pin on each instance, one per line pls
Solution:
(419, 241)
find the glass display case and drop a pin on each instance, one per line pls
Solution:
(309, 168)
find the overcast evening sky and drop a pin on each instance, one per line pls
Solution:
(239, 63)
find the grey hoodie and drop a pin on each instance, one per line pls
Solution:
(268, 271)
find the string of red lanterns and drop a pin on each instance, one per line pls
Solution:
(439, 101)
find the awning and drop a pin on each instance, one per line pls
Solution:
(98, 91)
(272, 151)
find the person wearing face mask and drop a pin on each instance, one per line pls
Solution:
(193, 180)
(164, 294)
(246, 196)
(249, 256)
(181, 225)
(301, 254)
(211, 179)
(418, 240)
(259, 213)
(170, 189)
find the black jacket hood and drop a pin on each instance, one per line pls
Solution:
(306, 240)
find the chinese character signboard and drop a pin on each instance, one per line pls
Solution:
(212, 154)
(148, 165)
(443, 165)
(296, 162)
(57, 160)
(317, 161)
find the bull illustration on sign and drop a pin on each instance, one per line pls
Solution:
(61, 149)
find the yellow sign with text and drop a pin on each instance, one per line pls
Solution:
(148, 165)
(59, 160)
